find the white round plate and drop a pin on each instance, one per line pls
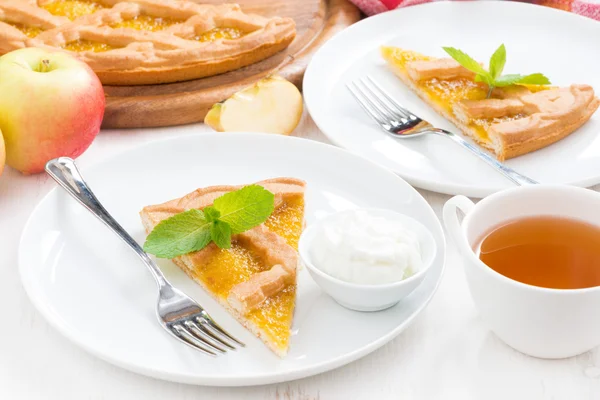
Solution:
(562, 45)
(95, 291)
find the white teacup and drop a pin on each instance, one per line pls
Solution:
(541, 322)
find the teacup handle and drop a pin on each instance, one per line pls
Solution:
(451, 222)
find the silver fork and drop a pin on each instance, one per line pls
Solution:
(181, 316)
(403, 124)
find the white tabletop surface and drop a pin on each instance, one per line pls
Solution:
(446, 354)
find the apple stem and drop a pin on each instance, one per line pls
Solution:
(45, 65)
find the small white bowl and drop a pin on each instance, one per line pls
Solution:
(361, 297)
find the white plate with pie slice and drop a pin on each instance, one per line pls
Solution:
(95, 291)
(562, 45)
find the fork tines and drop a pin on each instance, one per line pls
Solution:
(386, 111)
(201, 332)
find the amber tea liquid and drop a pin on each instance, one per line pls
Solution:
(550, 252)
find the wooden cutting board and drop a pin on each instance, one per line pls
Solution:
(188, 102)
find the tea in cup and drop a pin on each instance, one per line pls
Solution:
(532, 262)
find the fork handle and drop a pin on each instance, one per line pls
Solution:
(509, 173)
(64, 171)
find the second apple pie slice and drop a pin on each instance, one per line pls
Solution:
(512, 121)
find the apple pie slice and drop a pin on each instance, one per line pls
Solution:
(255, 280)
(515, 120)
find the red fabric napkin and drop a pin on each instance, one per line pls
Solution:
(588, 8)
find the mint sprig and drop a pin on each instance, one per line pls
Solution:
(211, 214)
(493, 77)
(192, 230)
(182, 233)
(245, 208)
(220, 232)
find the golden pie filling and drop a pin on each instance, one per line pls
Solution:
(87, 45)
(288, 220)
(146, 23)
(447, 92)
(275, 316)
(29, 31)
(229, 267)
(72, 8)
(220, 33)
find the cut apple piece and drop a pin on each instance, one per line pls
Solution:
(271, 105)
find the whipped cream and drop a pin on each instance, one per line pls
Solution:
(358, 247)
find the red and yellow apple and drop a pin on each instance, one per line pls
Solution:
(51, 105)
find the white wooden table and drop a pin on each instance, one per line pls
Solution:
(445, 354)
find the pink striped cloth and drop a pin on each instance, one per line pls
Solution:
(588, 8)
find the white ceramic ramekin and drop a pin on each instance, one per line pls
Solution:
(369, 297)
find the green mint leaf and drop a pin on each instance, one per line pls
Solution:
(534, 79)
(494, 77)
(211, 213)
(497, 62)
(181, 234)
(466, 61)
(220, 233)
(507, 80)
(245, 208)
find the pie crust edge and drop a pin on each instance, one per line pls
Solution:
(141, 76)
